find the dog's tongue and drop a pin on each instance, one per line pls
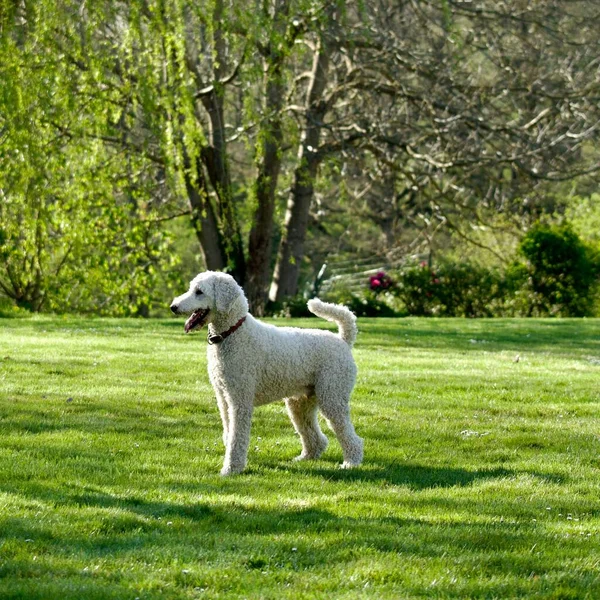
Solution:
(194, 320)
(189, 323)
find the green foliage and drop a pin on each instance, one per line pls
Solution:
(112, 113)
(77, 227)
(451, 289)
(584, 216)
(294, 308)
(480, 477)
(417, 287)
(562, 272)
(367, 303)
(9, 309)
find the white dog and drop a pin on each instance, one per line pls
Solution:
(251, 363)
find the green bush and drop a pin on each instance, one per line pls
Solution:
(368, 303)
(8, 309)
(557, 276)
(450, 290)
(416, 287)
(562, 273)
(291, 308)
(469, 290)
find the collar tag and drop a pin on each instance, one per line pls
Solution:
(217, 338)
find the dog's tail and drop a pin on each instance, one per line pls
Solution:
(339, 314)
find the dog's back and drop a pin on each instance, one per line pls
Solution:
(289, 360)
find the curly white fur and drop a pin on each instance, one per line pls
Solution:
(259, 363)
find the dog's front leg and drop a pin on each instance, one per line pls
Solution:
(238, 438)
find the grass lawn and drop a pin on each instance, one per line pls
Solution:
(481, 476)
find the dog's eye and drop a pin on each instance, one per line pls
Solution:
(198, 292)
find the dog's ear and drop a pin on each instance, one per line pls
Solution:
(226, 291)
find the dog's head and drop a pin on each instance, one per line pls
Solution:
(211, 295)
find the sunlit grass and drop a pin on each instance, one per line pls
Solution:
(481, 476)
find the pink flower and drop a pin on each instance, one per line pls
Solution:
(380, 281)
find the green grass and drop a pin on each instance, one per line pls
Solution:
(481, 476)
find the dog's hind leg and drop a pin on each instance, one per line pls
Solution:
(333, 402)
(303, 413)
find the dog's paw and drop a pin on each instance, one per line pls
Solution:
(302, 457)
(349, 465)
(308, 456)
(230, 470)
(314, 451)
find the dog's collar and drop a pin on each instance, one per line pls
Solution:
(217, 338)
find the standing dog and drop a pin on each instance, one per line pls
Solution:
(251, 363)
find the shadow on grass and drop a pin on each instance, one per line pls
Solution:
(413, 477)
(123, 514)
(249, 537)
(418, 477)
(294, 540)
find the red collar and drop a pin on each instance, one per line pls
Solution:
(219, 337)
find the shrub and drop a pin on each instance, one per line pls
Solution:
(365, 304)
(416, 288)
(468, 290)
(451, 290)
(291, 308)
(9, 309)
(370, 304)
(562, 272)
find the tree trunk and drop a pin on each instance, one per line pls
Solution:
(260, 242)
(291, 249)
(261, 234)
(204, 222)
(215, 157)
(215, 160)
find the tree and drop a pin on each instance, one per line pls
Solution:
(74, 230)
(178, 67)
(313, 110)
(269, 153)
